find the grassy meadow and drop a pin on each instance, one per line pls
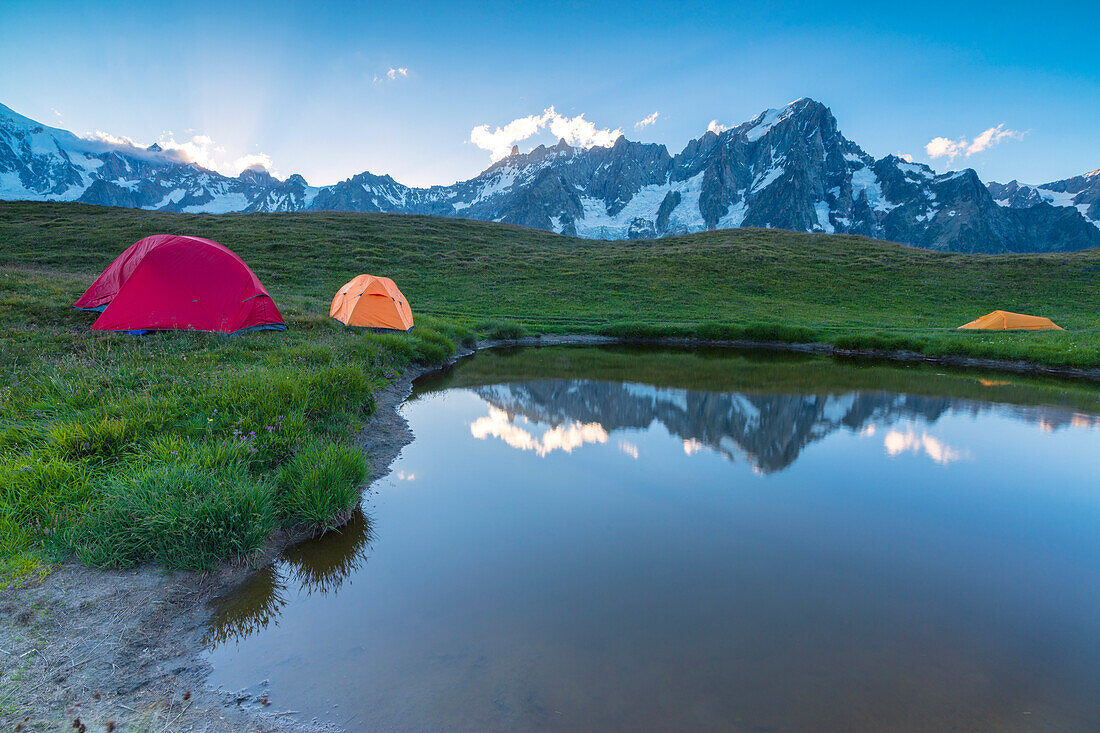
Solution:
(190, 448)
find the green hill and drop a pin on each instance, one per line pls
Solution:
(839, 287)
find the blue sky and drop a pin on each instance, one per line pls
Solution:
(308, 84)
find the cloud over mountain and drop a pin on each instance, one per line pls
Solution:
(576, 131)
(942, 147)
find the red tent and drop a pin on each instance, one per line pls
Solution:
(169, 282)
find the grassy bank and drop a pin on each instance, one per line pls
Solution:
(190, 448)
(182, 448)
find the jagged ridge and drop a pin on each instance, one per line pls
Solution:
(788, 168)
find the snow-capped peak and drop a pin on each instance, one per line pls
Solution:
(769, 118)
(801, 175)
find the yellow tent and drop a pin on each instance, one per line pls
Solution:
(373, 302)
(1004, 320)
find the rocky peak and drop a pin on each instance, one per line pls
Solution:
(257, 175)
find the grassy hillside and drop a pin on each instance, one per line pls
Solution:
(190, 448)
(841, 288)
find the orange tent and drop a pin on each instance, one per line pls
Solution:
(1004, 320)
(373, 302)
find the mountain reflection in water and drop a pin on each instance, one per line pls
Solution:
(764, 429)
(769, 431)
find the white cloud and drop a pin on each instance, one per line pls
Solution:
(647, 121)
(904, 156)
(202, 150)
(199, 149)
(255, 162)
(944, 147)
(629, 448)
(579, 132)
(398, 72)
(716, 127)
(499, 142)
(576, 131)
(105, 137)
(991, 137)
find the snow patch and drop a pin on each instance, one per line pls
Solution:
(766, 179)
(220, 204)
(763, 123)
(735, 215)
(597, 223)
(917, 170)
(822, 209)
(865, 180)
(1056, 198)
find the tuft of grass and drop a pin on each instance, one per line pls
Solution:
(637, 330)
(773, 332)
(181, 515)
(320, 485)
(880, 342)
(501, 330)
(102, 438)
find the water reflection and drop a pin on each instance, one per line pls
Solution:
(898, 442)
(576, 540)
(254, 605)
(319, 565)
(768, 431)
(500, 424)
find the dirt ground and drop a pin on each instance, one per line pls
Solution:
(122, 650)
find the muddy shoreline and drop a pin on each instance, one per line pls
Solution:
(126, 646)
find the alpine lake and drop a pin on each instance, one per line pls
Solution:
(629, 538)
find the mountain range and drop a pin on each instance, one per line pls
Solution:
(788, 168)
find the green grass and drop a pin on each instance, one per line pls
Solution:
(320, 483)
(104, 436)
(492, 275)
(181, 448)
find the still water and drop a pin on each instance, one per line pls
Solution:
(626, 539)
